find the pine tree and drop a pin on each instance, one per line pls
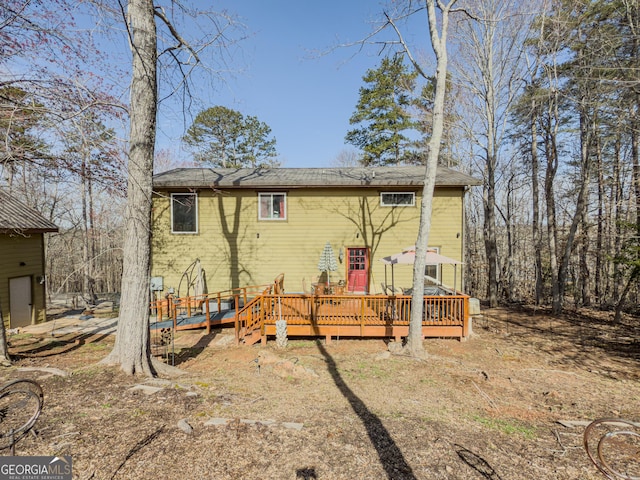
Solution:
(20, 119)
(382, 115)
(222, 137)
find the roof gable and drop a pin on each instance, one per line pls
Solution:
(17, 217)
(412, 176)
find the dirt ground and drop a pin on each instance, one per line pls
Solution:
(486, 408)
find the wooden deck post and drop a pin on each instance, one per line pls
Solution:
(206, 310)
(465, 319)
(236, 324)
(175, 317)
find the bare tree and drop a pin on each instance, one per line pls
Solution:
(43, 83)
(438, 24)
(167, 159)
(132, 350)
(489, 64)
(91, 151)
(347, 158)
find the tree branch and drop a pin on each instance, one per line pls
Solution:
(406, 48)
(182, 43)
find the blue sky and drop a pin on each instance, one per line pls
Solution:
(284, 79)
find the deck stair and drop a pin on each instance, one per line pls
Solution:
(254, 337)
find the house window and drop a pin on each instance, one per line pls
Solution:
(397, 199)
(433, 271)
(272, 206)
(184, 213)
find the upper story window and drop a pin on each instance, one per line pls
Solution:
(397, 199)
(272, 206)
(184, 213)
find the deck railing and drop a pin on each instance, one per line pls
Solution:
(258, 307)
(354, 314)
(170, 307)
(249, 318)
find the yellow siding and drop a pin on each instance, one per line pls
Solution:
(240, 250)
(14, 250)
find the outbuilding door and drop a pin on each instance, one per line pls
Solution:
(20, 301)
(358, 270)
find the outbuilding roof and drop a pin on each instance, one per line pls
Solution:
(412, 176)
(17, 217)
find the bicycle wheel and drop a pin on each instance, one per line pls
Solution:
(24, 384)
(21, 402)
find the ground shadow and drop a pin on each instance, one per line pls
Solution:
(64, 313)
(391, 457)
(56, 345)
(192, 352)
(574, 339)
(476, 462)
(306, 473)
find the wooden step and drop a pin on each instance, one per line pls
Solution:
(253, 337)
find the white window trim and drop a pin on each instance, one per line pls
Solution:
(412, 204)
(185, 194)
(271, 219)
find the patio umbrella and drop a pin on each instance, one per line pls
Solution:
(327, 261)
(408, 257)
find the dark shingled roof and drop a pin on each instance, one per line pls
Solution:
(17, 217)
(307, 177)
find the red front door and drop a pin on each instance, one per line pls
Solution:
(358, 273)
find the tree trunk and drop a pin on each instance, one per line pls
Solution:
(617, 231)
(620, 302)
(551, 154)
(5, 360)
(92, 242)
(585, 287)
(602, 220)
(633, 18)
(635, 153)
(491, 161)
(132, 350)
(585, 172)
(509, 284)
(535, 192)
(414, 344)
(87, 272)
(490, 241)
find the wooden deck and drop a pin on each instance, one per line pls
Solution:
(253, 311)
(351, 316)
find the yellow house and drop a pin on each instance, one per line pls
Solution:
(242, 227)
(22, 285)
